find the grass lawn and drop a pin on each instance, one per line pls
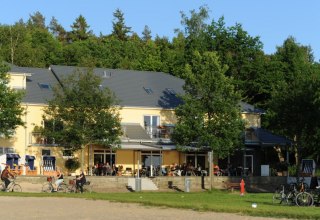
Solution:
(217, 201)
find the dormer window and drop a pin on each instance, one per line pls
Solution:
(148, 90)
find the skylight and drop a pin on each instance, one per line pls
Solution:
(148, 90)
(44, 86)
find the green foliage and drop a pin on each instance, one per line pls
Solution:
(82, 113)
(11, 111)
(72, 164)
(210, 115)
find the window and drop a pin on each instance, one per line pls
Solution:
(151, 125)
(148, 90)
(67, 153)
(46, 152)
(44, 86)
(8, 150)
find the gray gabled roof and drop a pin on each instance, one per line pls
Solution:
(129, 86)
(34, 93)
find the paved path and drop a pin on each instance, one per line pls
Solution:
(26, 208)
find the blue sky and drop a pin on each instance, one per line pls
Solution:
(272, 20)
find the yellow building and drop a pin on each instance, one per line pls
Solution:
(148, 100)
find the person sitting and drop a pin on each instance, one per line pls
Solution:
(5, 175)
(80, 181)
(59, 179)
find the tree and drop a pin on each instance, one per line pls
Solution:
(57, 30)
(10, 105)
(80, 30)
(120, 30)
(82, 113)
(37, 20)
(210, 116)
(146, 34)
(294, 106)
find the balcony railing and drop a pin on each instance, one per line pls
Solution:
(37, 138)
(159, 131)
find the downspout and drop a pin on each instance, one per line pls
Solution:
(25, 138)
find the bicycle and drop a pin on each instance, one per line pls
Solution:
(12, 187)
(48, 187)
(286, 193)
(73, 188)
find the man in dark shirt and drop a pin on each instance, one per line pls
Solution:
(81, 180)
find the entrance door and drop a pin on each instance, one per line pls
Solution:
(249, 165)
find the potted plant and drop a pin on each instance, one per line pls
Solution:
(292, 170)
(72, 164)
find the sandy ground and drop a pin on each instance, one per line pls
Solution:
(71, 208)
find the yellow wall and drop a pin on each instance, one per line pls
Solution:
(17, 80)
(252, 120)
(135, 115)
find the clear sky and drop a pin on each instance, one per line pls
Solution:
(272, 20)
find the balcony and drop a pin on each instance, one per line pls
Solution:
(37, 139)
(160, 132)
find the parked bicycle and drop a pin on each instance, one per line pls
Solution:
(49, 186)
(12, 187)
(72, 188)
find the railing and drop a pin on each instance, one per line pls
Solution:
(37, 138)
(159, 131)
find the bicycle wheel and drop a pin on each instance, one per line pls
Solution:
(62, 187)
(71, 189)
(279, 196)
(291, 198)
(47, 188)
(2, 187)
(16, 188)
(87, 188)
(304, 199)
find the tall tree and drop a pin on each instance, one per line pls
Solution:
(294, 107)
(83, 112)
(37, 20)
(210, 116)
(120, 30)
(57, 30)
(80, 29)
(10, 105)
(146, 33)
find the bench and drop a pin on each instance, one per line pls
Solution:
(232, 186)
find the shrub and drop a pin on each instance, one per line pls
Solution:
(72, 164)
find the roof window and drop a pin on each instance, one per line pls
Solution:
(44, 86)
(148, 90)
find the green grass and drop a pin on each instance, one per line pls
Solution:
(217, 201)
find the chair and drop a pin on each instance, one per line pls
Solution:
(127, 172)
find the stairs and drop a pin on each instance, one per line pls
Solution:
(146, 184)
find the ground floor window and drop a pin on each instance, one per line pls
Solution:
(151, 162)
(104, 156)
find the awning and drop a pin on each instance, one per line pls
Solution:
(137, 146)
(13, 156)
(30, 157)
(48, 157)
(134, 131)
(265, 139)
